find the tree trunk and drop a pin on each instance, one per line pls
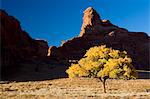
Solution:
(104, 86)
(103, 80)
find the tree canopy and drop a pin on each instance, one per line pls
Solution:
(102, 62)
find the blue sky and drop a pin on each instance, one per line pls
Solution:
(57, 20)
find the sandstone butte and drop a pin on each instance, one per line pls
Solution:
(95, 32)
(18, 47)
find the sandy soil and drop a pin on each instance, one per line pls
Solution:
(78, 88)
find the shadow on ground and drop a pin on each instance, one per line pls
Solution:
(143, 74)
(37, 71)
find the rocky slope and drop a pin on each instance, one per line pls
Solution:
(16, 45)
(95, 31)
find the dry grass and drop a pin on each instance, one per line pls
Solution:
(79, 88)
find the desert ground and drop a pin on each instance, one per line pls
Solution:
(41, 82)
(77, 88)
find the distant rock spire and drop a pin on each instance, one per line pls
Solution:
(92, 24)
(90, 18)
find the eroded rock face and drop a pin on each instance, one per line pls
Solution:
(135, 43)
(95, 31)
(16, 45)
(52, 51)
(92, 23)
(42, 48)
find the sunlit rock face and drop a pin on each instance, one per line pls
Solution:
(90, 19)
(95, 31)
(16, 45)
(92, 23)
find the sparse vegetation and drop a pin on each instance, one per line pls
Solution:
(103, 63)
(77, 88)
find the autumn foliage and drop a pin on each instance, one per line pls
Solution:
(103, 63)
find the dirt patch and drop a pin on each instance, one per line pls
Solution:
(78, 88)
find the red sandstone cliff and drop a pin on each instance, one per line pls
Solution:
(16, 45)
(95, 31)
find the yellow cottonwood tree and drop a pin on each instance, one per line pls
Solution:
(103, 63)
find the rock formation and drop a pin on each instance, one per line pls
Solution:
(95, 31)
(92, 23)
(16, 45)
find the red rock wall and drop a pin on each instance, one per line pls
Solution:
(95, 32)
(16, 45)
